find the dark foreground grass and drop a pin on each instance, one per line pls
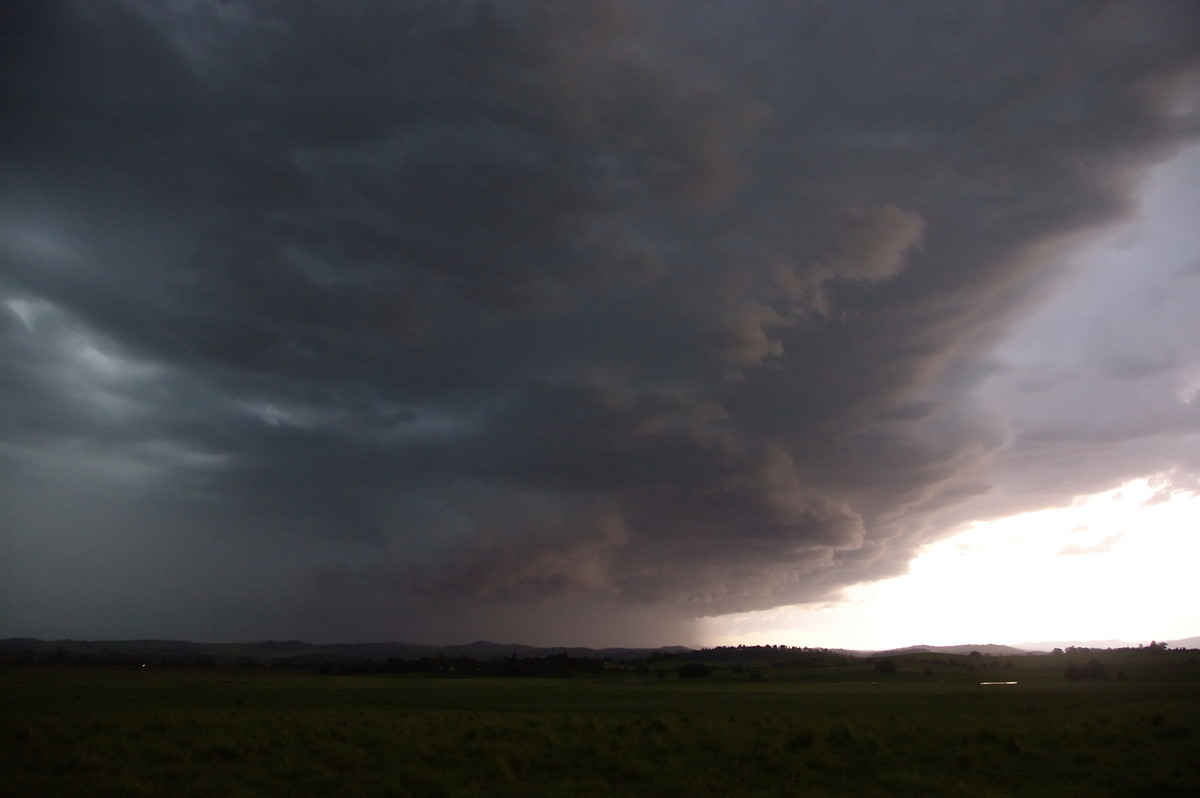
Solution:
(99, 733)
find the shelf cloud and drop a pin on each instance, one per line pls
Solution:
(445, 319)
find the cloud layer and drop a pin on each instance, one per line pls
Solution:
(460, 318)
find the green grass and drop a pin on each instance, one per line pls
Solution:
(113, 732)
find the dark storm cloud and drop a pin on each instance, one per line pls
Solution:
(429, 314)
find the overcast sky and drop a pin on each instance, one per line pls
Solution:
(570, 323)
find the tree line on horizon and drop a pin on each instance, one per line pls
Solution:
(739, 660)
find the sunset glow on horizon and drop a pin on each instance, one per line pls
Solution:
(1089, 571)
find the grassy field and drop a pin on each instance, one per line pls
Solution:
(840, 731)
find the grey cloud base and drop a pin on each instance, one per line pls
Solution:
(441, 319)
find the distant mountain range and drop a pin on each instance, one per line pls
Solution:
(1028, 648)
(990, 649)
(299, 653)
(1187, 642)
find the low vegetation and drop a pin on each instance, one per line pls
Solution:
(763, 725)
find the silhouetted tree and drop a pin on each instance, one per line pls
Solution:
(1093, 670)
(694, 670)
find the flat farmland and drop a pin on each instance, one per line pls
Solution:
(840, 731)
